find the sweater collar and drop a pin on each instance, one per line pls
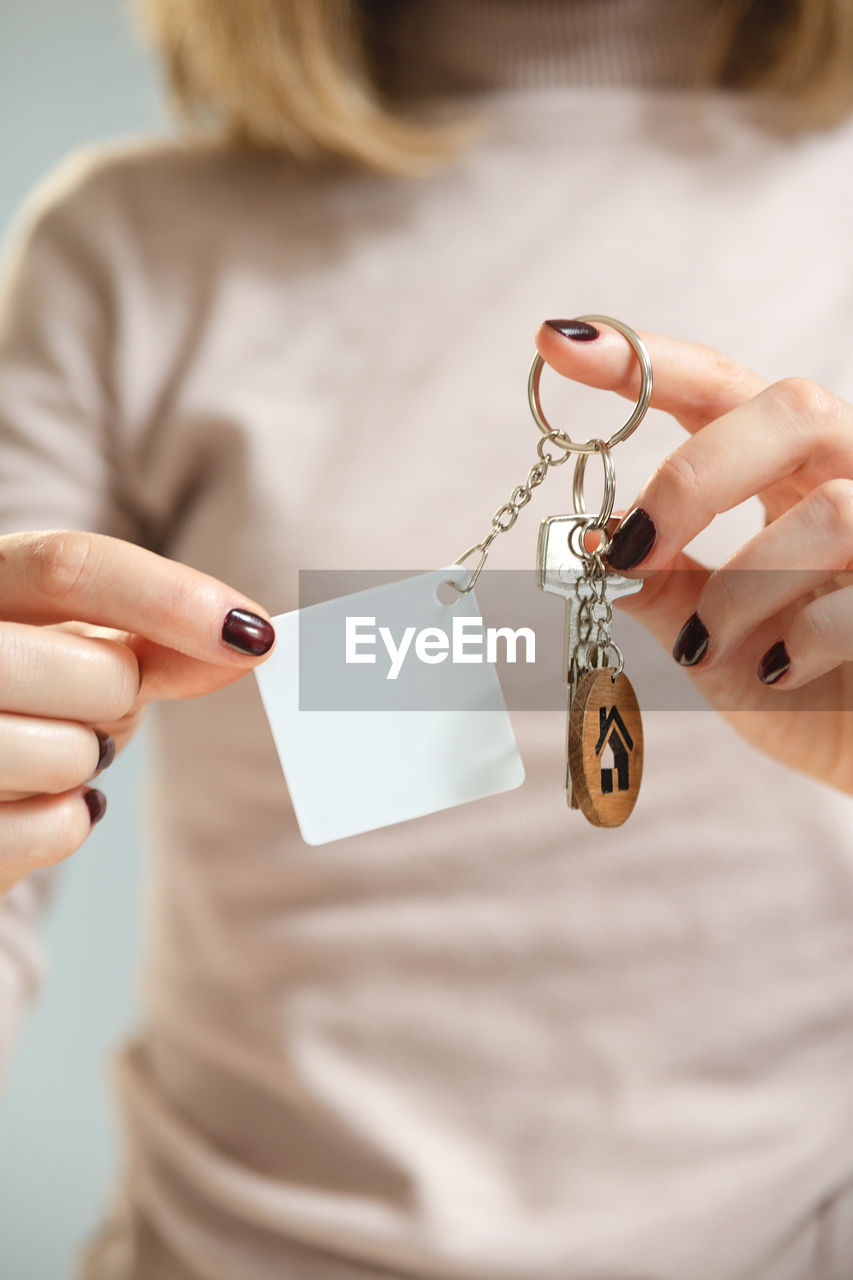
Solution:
(472, 46)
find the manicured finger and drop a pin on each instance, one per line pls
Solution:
(163, 673)
(52, 756)
(44, 672)
(43, 830)
(693, 382)
(167, 674)
(668, 597)
(793, 431)
(56, 576)
(817, 640)
(809, 545)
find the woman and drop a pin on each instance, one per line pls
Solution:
(489, 1044)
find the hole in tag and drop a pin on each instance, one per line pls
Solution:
(446, 593)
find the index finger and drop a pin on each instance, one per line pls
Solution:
(57, 576)
(693, 382)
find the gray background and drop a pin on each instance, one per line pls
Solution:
(71, 72)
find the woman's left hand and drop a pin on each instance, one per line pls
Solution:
(754, 641)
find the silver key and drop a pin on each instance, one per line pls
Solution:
(560, 571)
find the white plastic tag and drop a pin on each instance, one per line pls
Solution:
(384, 707)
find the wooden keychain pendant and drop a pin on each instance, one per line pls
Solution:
(605, 747)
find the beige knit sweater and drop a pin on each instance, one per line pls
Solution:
(493, 1044)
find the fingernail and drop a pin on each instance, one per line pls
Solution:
(247, 633)
(775, 664)
(632, 540)
(691, 642)
(577, 329)
(96, 803)
(106, 752)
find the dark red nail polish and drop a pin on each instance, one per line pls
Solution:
(775, 664)
(577, 329)
(632, 541)
(691, 642)
(106, 751)
(248, 633)
(96, 803)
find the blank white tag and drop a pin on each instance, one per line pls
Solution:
(402, 736)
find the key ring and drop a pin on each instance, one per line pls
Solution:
(609, 496)
(597, 657)
(590, 446)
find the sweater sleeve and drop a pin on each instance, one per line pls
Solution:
(57, 442)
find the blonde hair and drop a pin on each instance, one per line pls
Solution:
(298, 75)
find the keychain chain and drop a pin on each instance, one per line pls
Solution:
(506, 516)
(596, 610)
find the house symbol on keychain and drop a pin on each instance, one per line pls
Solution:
(613, 747)
(605, 746)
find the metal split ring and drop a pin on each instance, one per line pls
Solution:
(577, 533)
(597, 656)
(609, 495)
(559, 437)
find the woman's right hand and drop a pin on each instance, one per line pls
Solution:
(92, 630)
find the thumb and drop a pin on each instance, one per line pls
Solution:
(165, 673)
